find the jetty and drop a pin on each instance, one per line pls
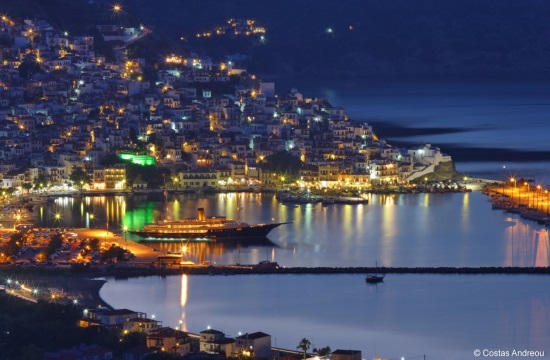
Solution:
(523, 197)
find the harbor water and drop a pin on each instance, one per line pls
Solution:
(492, 130)
(441, 316)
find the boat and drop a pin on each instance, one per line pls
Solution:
(202, 227)
(374, 278)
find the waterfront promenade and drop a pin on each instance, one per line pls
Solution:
(530, 201)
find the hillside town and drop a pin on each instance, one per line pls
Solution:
(210, 123)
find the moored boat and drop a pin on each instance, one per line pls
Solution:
(374, 278)
(204, 228)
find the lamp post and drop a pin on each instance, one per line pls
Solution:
(512, 179)
(124, 231)
(527, 185)
(106, 229)
(504, 177)
(17, 219)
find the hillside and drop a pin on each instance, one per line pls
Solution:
(74, 16)
(371, 37)
(350, 38)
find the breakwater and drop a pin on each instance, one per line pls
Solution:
(134, 270)
(255, 270)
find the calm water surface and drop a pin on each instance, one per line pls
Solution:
(441, 316)
(444, 317)
(397, 230)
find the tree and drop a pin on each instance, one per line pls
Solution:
(80, 177)
(27, 186)
(323, 351)
(29, 67)
(13, 244)
(284, 163)
(40, 182)
(95, 244)
(55, 242)
(304, 345)
(114, 252)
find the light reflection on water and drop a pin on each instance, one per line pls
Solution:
(442, 316)
(392, 230)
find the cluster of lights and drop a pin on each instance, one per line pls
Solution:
(236, 27)
(23, 289)
(130, 68)
(175, 59)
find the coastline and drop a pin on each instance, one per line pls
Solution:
(81, 286)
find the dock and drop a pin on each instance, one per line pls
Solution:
(530, 201)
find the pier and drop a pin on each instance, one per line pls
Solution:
(530, 200)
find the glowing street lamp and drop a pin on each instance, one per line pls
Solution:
(513, 179)
(538, 196)
(528, 191)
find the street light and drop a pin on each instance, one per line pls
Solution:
(106, 229)
(528, 191)
(17, 219)
(124, 231)
(538, 196)
(512, 179)
(117, 8)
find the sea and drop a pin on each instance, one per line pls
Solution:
(491, 129)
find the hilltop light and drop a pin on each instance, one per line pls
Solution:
(329, 31)
(117, 8)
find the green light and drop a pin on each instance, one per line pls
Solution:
(143, 160)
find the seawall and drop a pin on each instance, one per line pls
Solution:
(246, 270)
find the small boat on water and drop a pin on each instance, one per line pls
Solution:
(372, 279)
